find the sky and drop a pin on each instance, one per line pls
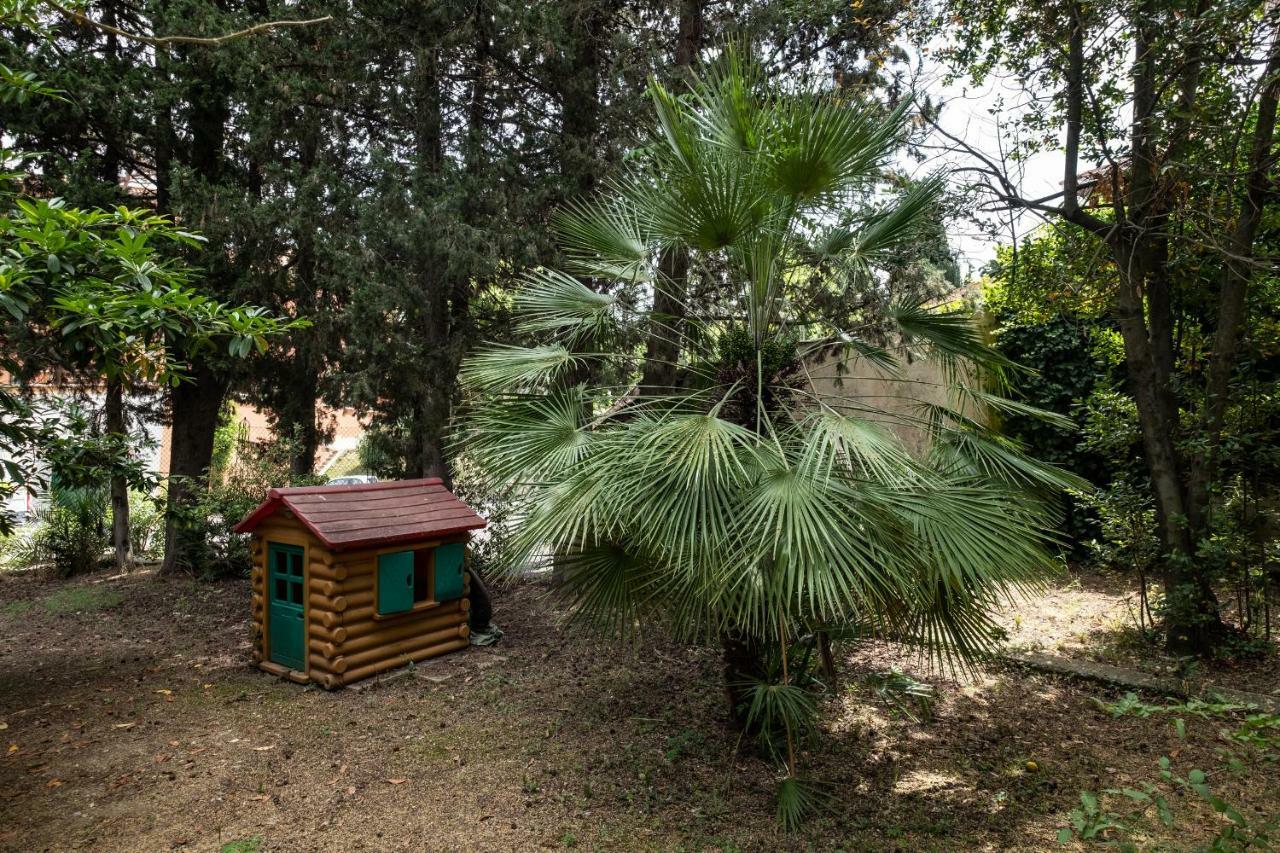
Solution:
(976, 115)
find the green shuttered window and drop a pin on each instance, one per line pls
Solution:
(395, 582)
(449, 572)
(408, 579)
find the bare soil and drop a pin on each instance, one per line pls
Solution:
(132, 720)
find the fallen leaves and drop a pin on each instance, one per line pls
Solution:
(396, 781)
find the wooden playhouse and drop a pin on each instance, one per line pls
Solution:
(349, 581)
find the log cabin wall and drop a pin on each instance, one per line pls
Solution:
(346, 638)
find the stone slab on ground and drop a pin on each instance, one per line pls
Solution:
(1136, 679)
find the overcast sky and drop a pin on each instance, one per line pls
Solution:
(979, 115)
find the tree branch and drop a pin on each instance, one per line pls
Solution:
(160, 41)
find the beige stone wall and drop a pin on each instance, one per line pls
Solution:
(892, 397)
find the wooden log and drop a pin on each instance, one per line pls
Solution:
(358, 614)
(347, 587)
(384, 634)
(361, 598)
(337, 634)
(354, 674)
(337, 604)
(283, 672)
(325, 588)
(395, 650)
(327, 619)
(321, 571)
(362, 627)
(359, 583)
(319, 662)
(320, 647)
(359, 568)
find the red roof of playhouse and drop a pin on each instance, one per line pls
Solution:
(370, 513)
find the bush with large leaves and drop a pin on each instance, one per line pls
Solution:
(740, 504)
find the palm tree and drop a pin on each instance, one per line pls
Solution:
(740, 504)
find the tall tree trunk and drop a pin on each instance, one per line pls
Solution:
(196, 404)
(579, 85)
(1238, 271)
(670, 293)
(430, 268)
(302, 396)
(118, 429)
(1191, 608)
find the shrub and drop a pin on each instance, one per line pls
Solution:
(71, 535)
(146, 525)
(233, 490)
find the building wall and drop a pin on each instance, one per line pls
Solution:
(896, 398)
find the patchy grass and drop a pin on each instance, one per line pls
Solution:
(15, 608)
(70, 599)
(82, 599)
(247, 845)
(133, 721)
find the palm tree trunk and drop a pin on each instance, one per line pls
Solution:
(743, 657)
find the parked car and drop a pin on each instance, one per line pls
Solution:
(352, 480)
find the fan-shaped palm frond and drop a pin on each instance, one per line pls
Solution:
(799, 799)
(753, 507)
(529, 439)
(727, 102)
(711, 207)
(950, 336)
(997, 458)
(891, 227)
(502, 368)
(551, 301)
(821, 147)
(604, 238)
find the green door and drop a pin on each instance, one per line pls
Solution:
(286, 630)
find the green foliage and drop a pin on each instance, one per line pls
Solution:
(70, 535)
(243, 845)
(797, 800)
(93, 288)
(1092, 821)
(743, 507)
(1258, 736)
(146, 525)
(1131, 705)
(1163, 236)
(901, 691)
(231, 493)
(783, 716)
(83, 599)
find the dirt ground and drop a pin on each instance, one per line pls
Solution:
(130, 719)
